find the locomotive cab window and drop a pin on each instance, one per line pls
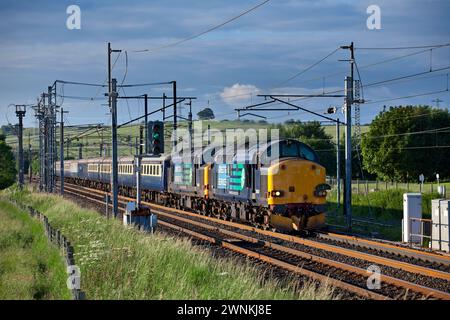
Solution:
(289, 149)
(307, 153)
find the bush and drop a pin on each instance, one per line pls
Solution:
(7, 165)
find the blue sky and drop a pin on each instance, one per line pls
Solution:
(227, 67)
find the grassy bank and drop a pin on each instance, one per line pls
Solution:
(122, 263)
(30, 268)
(385, 207)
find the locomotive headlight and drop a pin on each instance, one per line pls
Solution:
(321, 190)
(277, 193)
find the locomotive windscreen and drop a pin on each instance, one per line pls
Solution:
(288, 148)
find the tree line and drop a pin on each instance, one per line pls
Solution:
(401, 143)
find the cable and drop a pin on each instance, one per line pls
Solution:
(81, 83)
(407, 97)
(404, 48)
(360, 80)
(123, 79)
(126, 68)
(203, 32)
(406, 77)
(310, 67)
(81, 98)
(361, 67)
(397, 148)
(373, 64)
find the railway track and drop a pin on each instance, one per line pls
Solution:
(340, 267)
(425, 258)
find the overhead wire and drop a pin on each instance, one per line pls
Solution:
(197, 35)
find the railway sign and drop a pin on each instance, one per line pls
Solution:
(421, 178)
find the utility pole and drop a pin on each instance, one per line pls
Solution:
(67, 147)
(348, 142)
(141, 139)
(29, 157)
(61, 152)
(146, 122)
(51, 138)
(102, 146)
(80, 151)
(437, 100)
(112, 100)
(164, 113)
(20, 113)
(190, 124)
(164, 107)
(114, 178)
(138, 180)
(338, 164)
(39, 114)
(174, 114)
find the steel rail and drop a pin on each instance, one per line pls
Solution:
(343, 266)
(278, 263)
(373, 244)
(310, 243)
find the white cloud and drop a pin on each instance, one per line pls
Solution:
(238, 93)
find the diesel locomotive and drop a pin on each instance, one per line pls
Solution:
(286, 192)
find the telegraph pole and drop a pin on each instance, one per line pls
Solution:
(20, 113)
(114, 178)
(61, 153)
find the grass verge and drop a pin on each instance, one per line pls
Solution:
(122, 263)
(30, 267)
(384, 207)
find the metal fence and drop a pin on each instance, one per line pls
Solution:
(366, 186)
(57, 238)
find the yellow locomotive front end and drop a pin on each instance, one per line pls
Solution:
(296, 194)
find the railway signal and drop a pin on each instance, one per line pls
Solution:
(156, 135)
(20, 112)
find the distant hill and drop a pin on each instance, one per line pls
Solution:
(128, 135)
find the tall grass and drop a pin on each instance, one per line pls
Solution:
(30, 268)
(117, 262)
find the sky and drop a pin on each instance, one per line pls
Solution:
(228, 67)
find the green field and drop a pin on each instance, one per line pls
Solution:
(117, 262)
(378, 212)
(30, 267)
(128, 134)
